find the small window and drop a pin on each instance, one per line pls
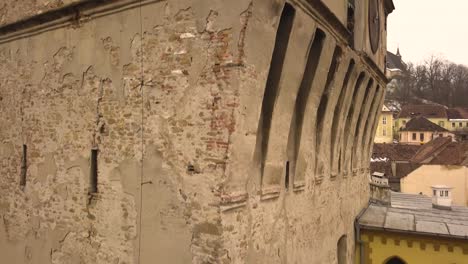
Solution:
(414, 136)
(453, 124)
(24, 167)
(466, 124)
(434, 192)
(441, 193)
(421, 136)
(93, 181)
(446, 193)
(460, 124)
(384, 120)
(351, 8)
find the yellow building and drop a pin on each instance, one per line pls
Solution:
(437, 114)
(412, 229)
(420, 130)
(458, 122)
(384, 133)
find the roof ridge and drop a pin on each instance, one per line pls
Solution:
(434, 152)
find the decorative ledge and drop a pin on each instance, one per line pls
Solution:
(270, 193)
(299, 186)
(233, 201)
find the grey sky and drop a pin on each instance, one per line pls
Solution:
(425, 27)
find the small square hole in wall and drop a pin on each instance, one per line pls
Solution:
(286, 178)
(24, 166)
(93, 180)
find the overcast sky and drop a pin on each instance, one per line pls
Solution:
(424, 27)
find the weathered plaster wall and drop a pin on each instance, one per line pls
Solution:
(68, 90)
(339, 8)
(384, 131)
(170, 93)
(12, 11)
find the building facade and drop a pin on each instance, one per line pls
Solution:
(187, 131)
(454, 120)
(440, 162)
(421, 180)
(413, 229)
(419, 131)
(437, 114)
(385, 127)
(458, 122)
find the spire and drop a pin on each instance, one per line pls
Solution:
(398, 52)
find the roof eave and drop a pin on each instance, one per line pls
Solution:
(410, 232)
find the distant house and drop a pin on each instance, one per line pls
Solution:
(440, 161)
(420, 130)
(437, 114)
(384, 133)
(458, 122)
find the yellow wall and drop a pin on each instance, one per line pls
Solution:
(379, 246)
(457, 127)
(388, 127)
(406, 137)
(425, 176)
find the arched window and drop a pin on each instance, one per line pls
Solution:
(342, 250)
(395, 260)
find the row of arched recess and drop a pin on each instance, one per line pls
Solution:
(342, 107)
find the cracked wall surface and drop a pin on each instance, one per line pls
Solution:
(170, 95)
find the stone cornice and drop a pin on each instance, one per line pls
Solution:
(71, 14)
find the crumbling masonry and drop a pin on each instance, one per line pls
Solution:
(208, 131)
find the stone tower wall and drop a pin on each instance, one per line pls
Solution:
(198, 161)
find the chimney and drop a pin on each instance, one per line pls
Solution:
(379, 189)
(442, 197)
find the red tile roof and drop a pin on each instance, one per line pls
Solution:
(442, 151)
(427, 111)
(395, 152)
(457, 113)
(422, 124)
(454, 154)
(431, 148)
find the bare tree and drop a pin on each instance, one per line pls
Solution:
(437, 80)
